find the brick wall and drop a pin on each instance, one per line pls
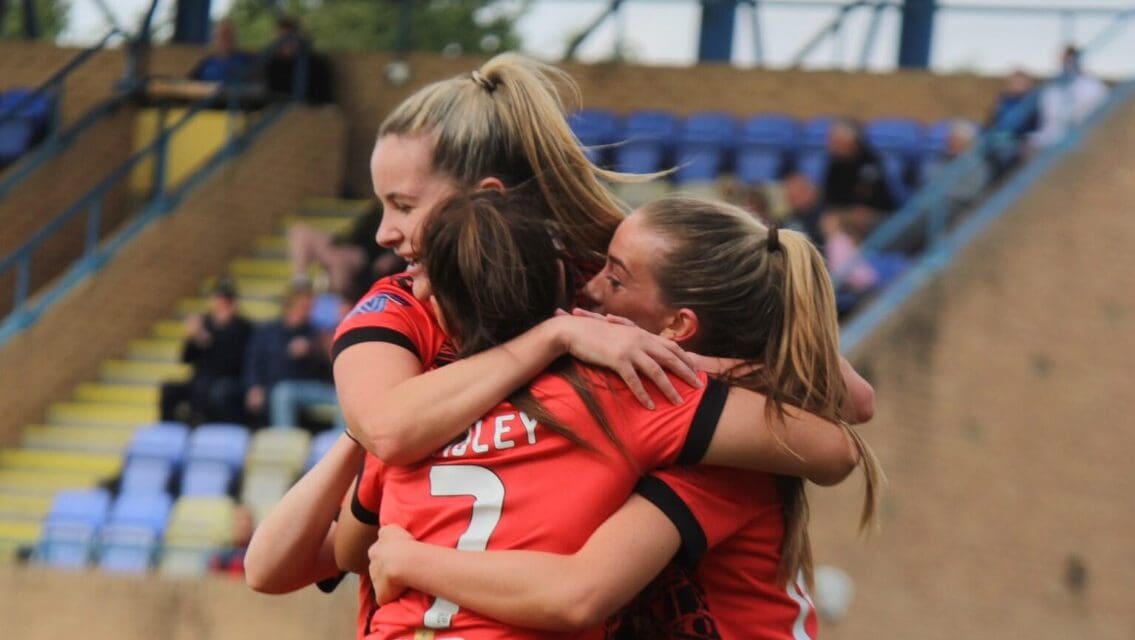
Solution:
(1004, 422)
(299, 157)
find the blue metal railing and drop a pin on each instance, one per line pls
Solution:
(161, 200)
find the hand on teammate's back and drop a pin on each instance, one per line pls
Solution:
(631, 352)
(385, 549)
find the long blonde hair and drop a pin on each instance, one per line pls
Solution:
(765, 298)
(506, 120)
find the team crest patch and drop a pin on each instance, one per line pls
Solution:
(377, 303)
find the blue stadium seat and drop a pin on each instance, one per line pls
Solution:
(66, 545)
(703, 146)
(86, 506)
(146, 475)
(934, 138)
(764, 142)
(148, 509)
(162, 440)
(126, 548)
(813, 133)
(206, 477)
(899, 143)
(320, 445)
(16, 136)
(222, 442)
(648, 137)
(595, 128)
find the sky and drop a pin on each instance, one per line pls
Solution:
(665, 32)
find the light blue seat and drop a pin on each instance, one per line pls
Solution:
(146, 475)
(86, 506)
(162, 440)
(206, 478)
(144, 509)
(127, 548)
(704, 145)
(66, 545)
(222, 442)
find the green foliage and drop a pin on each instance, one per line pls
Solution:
(459, 26)
(51, 14)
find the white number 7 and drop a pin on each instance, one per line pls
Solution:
(488, 499)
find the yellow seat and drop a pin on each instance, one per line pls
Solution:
(255, 310)
(136, 394)
(137, 372)
(336, 206)
(201, 521)
(260, 268)
(108, 439)
(271, 247)
(168, 329)
(255, 288)
(23, 506)
(284, 447)
(326, 223)
(88, 463)
(45, 482)
(102, 413)
(262, 486)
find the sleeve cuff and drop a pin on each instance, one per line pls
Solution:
(704, 423)
(372, 334)
(668, 502)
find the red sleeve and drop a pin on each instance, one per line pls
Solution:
(368, 491)
(390, 313)
(669, 433)
(707, 504)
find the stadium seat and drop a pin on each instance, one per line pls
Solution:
(320, 445)
(198, 527)
(17, 135)
(286, 447)
(596, 129)
(148, 509)
(125, 548)
(84, 506)
(146, 475)
(703, 147)
(898, 141)
(263, 486)
(764, 142)
(162, 440)
(222, 442)
(648, 136)
(206, 477)
(66, 545)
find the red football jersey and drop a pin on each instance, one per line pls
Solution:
(732, 528)
(511, 483)
(390, 313)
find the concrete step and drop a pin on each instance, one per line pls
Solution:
(139, 372)
(136, 394)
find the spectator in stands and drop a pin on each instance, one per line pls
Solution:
(353, 260)
(214, 346)
(855, 175)
(1067, 101)
(1010, 127)
(294, 53)
(286, 369)
(973, 176)
(230, 560)
(226, 63)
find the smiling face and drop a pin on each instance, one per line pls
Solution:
(409, 189)
(626, 286)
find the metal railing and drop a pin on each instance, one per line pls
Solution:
(162, 198)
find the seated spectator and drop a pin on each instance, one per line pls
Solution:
(973, 177)
(855, 175)
(214, 346)
(286, 368)
(226, 63)
(230, 560)
(282, 67)
(353, 260)
(1066, 102)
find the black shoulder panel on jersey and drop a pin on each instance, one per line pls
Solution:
(693, 536)
(704, 423)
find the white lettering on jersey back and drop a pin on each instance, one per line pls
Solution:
(477, 440)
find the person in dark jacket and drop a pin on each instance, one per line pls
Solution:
(855, 176)
(215, 344)
(286, 367)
